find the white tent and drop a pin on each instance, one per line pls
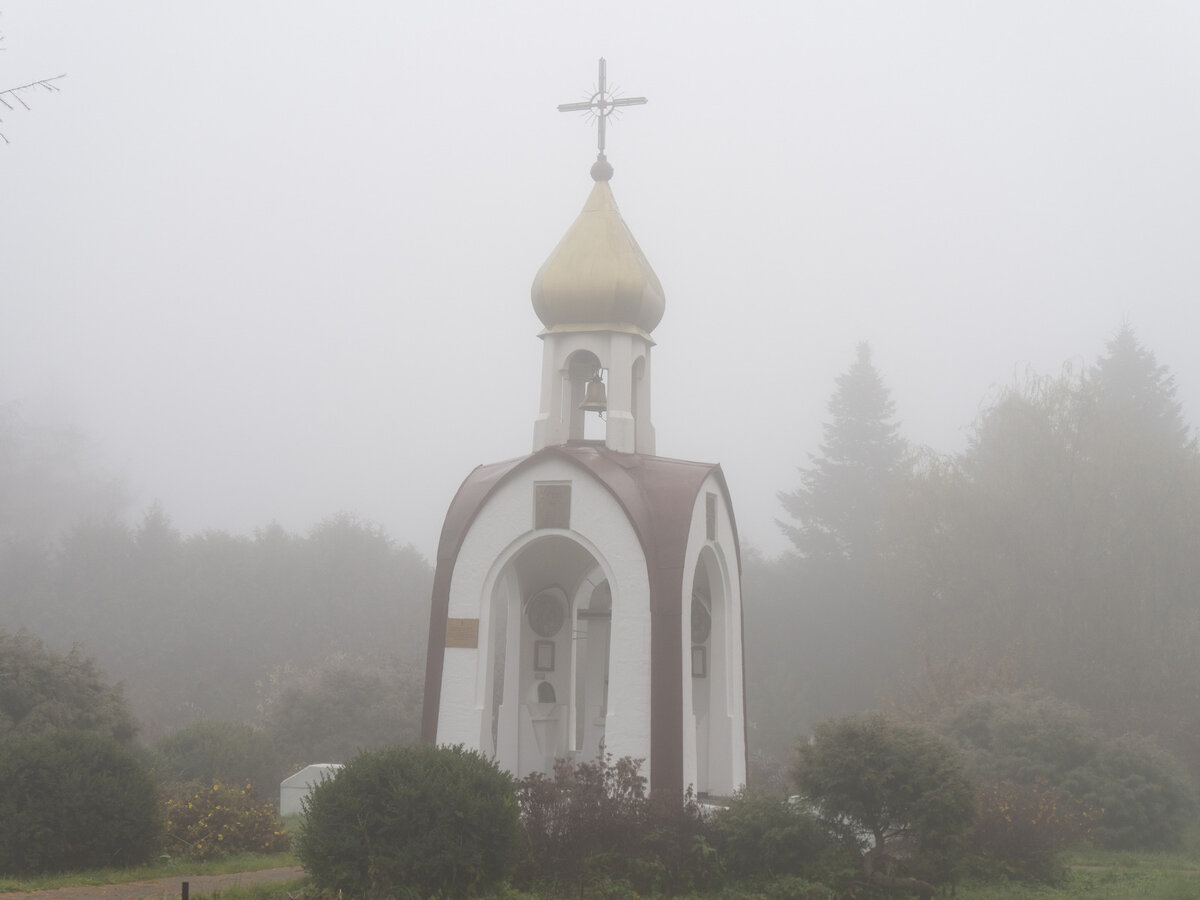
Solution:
(296, 787)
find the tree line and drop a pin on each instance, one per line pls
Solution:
(1059, 551)
(319, 636)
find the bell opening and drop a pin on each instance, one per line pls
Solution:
(595, 399)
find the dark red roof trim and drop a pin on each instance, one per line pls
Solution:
(657, 495)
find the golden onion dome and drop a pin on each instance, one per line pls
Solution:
(597, 277)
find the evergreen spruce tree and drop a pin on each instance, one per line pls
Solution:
(1129, 385)
(843, 493)
(838, 594)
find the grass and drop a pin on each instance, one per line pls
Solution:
(1095, 885)
(164, 867)
(1092, 875)
(167, 866)
(1106, 875)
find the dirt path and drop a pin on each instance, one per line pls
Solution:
(160, 888)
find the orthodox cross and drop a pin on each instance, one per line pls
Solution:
(602, 104)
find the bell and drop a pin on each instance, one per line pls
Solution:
(594, 398)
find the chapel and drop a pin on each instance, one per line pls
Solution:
(587, 596)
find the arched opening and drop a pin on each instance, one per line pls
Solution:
(709, 664)
(548, 650)
(593, 632)
(583, 367)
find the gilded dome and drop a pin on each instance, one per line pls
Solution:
(597, 276)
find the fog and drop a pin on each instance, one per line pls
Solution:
(274, 260)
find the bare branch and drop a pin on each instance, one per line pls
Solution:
(42, 82)
(13, 93)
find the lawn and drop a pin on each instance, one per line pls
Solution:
(1100, 875)
(164, 867)
(1091, 875)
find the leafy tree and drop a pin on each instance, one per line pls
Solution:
(333, 713)
(72, 800)
(217, 614)
(843, 494)
(416, 821)
(1139, 797)
(41, 690)
(1065, 541)
(229, 752)
(878, 784)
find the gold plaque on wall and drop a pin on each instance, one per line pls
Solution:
(462, 633)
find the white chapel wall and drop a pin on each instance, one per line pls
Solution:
(502, 528)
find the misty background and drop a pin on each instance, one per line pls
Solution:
(265, 303)
(274, 261)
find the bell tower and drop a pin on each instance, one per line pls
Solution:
(587, 597)
(599, 300)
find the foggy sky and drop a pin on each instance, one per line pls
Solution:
(275, 258)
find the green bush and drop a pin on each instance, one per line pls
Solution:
(73, 800)
(763, 836)
(1021, 829)
(1143, 800)
(895, 796)
(592, 825)
(205, 821)
(1020, 736)
(228, 752)
(584, 823)
(411, 822)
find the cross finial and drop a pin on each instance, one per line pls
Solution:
(601, 104)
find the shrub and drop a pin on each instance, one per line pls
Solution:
(894, 794)
(583, 823)
(1143, 800)
(592, 824)
(411, 821)
(1021, 829)
(1020, 736)
(761, 836)
(204, 822)
(1146, 802)
(676, 855)
(74, 800)
(223, 752)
